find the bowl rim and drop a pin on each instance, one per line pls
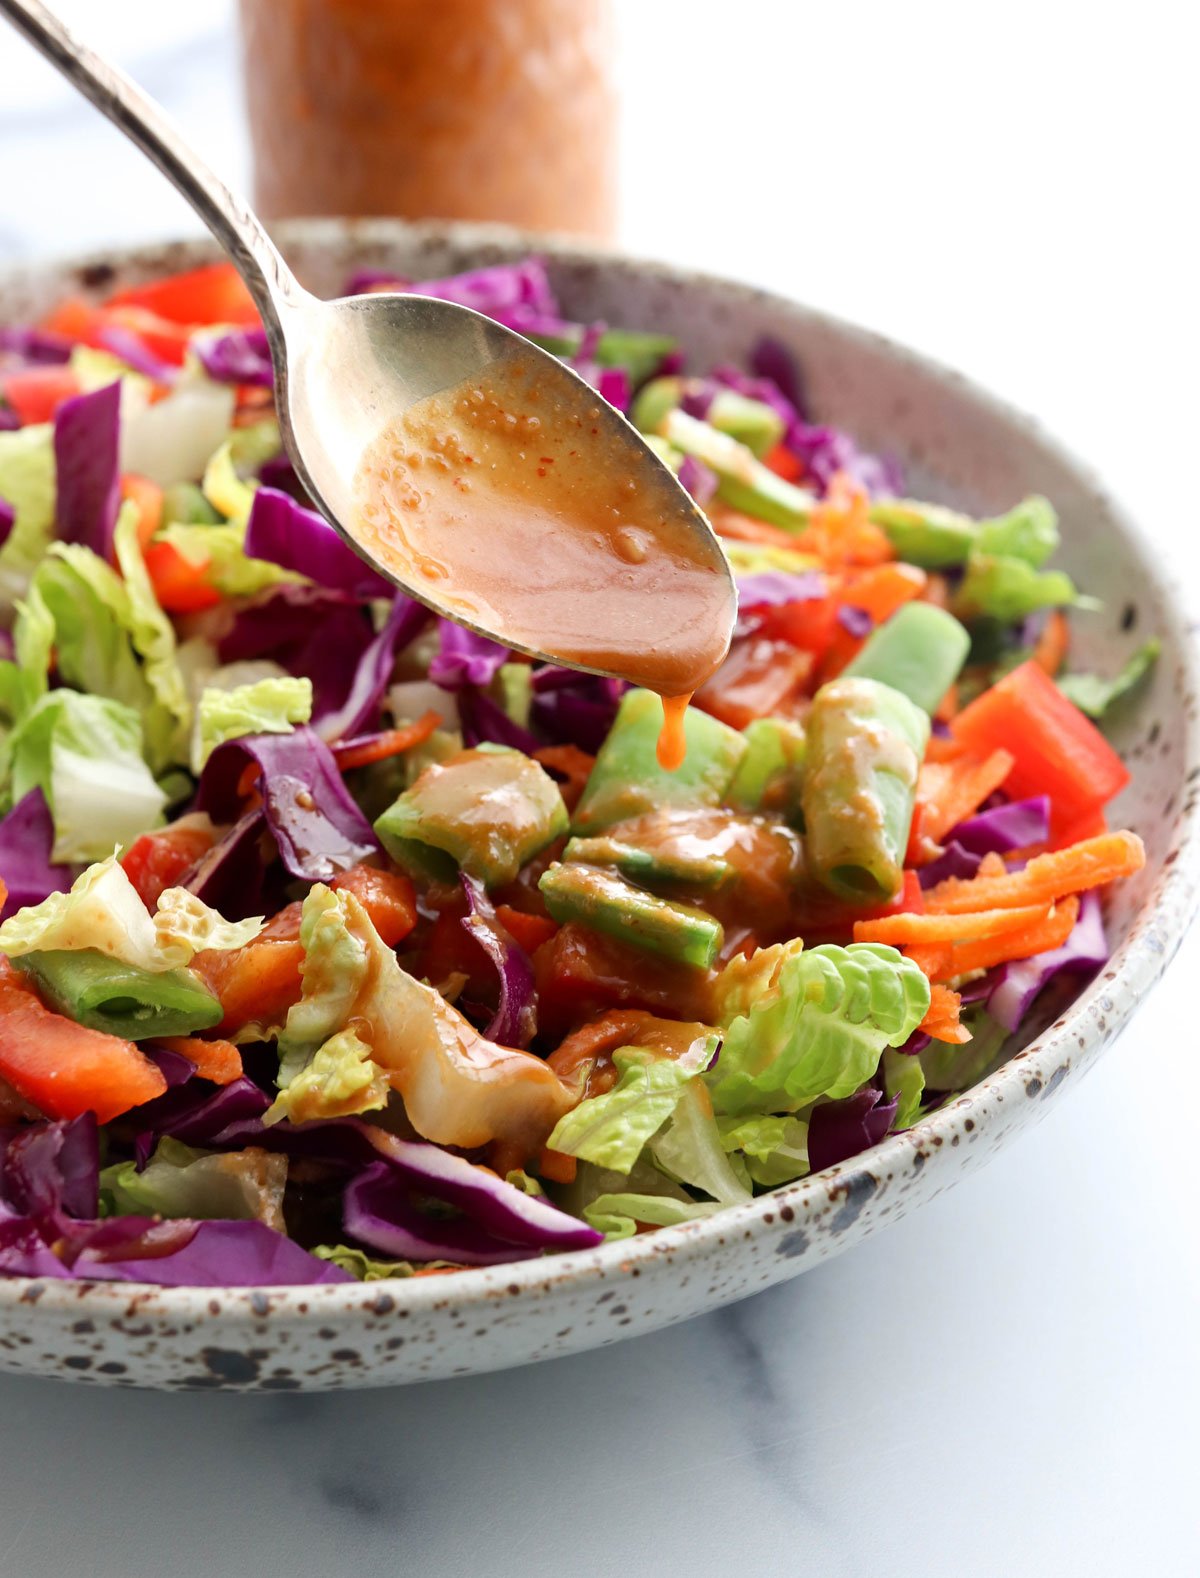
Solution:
(1134, 967)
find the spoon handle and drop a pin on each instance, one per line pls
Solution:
(270, 281)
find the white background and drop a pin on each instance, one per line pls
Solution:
(1009, 1380)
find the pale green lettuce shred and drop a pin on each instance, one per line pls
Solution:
(340, 1079)
(179, 1181)
(106, 642)
(802, 1023)
(27, 483)
(34, 634)
(103, 912)
(1094, 694)
(222, 549)
(690, 1150)
(86, 755)
(246, 448)
(458, 1087)
(361, 1265)
(903, 1076)
(268, 706)
(772, 1149)
(224, 489)
(1008, 589)
(619, 1215)
(97, 369)
(152, 632)
(611, 1130)
(326, 1069)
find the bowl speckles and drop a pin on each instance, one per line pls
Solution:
(957, 444)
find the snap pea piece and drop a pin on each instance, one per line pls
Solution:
(928, 535)
(106, 994)
(865, 744)
(743, 482)
(920, 651)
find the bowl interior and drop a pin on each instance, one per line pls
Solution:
(956, 444)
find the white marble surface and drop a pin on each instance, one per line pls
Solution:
(1009, 1380)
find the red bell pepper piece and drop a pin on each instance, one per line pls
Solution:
(212, 294)
(37, 392)
(756, 680)
(160, 860)
(1056, 750)
(63, 1068)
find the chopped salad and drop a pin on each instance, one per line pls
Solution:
(341, 943)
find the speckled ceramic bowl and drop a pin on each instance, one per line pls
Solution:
(957, 444)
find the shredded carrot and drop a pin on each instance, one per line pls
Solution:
(1045, 879)
(932, 959)
(390, 743)
(572, 765)
(942, 1022)
(218, 1061)
(902, 929)
(884, 588)
(953, 790)
(1050, 651)
(1093, 824)
(944, 748)
(745, 528)
(557, 1166)
(841, 531)
(1043, 937)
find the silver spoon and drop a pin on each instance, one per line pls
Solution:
(345, 368)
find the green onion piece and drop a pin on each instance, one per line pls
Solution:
(918, 651)
(865, 745)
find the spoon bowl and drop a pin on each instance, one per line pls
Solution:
(349, 367)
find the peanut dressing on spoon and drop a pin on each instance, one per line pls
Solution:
(505, 506)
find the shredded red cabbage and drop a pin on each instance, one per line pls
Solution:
(285, 533)
(35, 347)
(87, 430)
(498, 1222)
(242, 356)
(196, 1113)
(700, 480)
(485, 723)
(371, 674)
(840, 1129)
(1014, 825)
(317, 825)
(855, 621)
(515, 1021)
(132, 350)
(26, 840)
(464, 658)
(777, 588)
(230, 875)
(1084, 951)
